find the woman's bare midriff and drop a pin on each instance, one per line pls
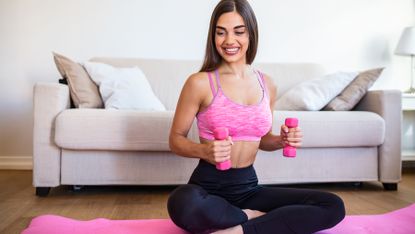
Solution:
(243, 153)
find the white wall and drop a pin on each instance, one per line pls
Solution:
(341, 34)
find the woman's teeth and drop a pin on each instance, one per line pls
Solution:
(231, 51)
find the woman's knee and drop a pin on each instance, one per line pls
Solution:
(336, 208)
(187, 208)
(182, 198)
(193, 209)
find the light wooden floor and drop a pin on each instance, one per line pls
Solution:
(18, 204)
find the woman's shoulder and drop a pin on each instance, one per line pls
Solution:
(198, 76)
(197, 82)
(197, 79)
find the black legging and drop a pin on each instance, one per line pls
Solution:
(214, 200)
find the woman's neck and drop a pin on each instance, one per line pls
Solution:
(239, 69)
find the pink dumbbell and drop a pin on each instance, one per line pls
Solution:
(222, 134)
(290, 151)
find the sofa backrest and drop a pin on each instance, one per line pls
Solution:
(168, 76)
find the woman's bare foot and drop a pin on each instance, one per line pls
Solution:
(253, 213)
(233, 230)
(238, 229)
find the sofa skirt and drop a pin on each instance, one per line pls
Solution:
(165, 168)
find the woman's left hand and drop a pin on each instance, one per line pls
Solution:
(291, 136)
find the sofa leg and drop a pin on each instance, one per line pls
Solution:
(390, 186)
(77, 188)
(42, 191)
(357, 184)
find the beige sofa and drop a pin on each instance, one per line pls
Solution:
(130, 147)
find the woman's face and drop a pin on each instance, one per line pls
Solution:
(231, 37)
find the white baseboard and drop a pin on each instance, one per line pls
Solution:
(16, 163)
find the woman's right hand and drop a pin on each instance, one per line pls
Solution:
(218, 151)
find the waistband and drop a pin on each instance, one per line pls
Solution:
(233, 184)
(209, 171)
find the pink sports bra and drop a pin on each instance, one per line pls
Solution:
(244, 122)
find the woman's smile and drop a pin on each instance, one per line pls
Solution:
(230, 51)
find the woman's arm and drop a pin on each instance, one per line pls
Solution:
(292, 137)
(186, 110)
(271, 142)
(191, 98)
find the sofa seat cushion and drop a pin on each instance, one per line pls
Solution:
(100, 129)
(336, 128)
(132, 130)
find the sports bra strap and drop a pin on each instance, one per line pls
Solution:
(214, 91)
(212, 87)
(262, 81)
(217, 79)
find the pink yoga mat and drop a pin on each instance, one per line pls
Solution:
(396, 222)
(48, 224)
(400, 221)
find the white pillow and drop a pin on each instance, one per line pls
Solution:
(313, 95)
(123, 88)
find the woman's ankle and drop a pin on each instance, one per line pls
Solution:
(252, 213)
(232, 230)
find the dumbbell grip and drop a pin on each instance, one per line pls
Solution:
(290, 151)
(222, 134)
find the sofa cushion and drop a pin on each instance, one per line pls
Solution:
(355, 91)
(83, 90)
(336, 128)
(123, 88)
(98, 129)
(312, 95)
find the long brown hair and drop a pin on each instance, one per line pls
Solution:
(212, 57)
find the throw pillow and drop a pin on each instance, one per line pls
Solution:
(123, 88)
(84, 92)
(355, 91)
(312, 95)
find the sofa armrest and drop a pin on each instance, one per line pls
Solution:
(387, 104)
(49, 99)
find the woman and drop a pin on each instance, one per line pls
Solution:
(228, 92)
